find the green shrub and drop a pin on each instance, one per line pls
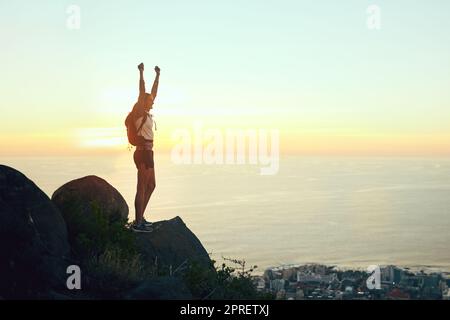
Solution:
(114, 271)
(92, 234)
(223, 282)
(106, 250)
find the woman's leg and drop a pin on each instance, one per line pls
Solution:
(150, 187)
(140, 201)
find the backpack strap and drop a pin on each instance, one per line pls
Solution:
(144, 118)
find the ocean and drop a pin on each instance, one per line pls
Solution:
(350, 212)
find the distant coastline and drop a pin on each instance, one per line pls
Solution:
(322, 282)
(412, 268)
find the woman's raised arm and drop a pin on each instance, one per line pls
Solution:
(156, 83)
(141, 82)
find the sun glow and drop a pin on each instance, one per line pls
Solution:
(108, 138)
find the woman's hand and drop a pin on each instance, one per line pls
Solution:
(157, 70)
(141, 67)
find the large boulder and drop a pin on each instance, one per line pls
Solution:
(94, 211)
(89, 195)
(33, 239)
(172, 247)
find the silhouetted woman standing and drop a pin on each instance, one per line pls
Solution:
(143, 155)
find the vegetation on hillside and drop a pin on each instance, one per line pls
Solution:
(111, 264)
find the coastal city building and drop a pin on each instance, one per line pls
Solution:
(319, 282)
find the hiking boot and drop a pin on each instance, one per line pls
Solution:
(142, 228)
(146, 223)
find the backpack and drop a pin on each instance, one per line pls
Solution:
(132, 132)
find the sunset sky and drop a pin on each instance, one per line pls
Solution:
(311, 69)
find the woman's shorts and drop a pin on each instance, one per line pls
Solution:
(144, 157)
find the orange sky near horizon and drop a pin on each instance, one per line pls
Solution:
(106, 141)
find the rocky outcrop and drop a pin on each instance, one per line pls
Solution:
(86, 195)
(172, 246)
(33, 238)
(38, 235)
(170, 249)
